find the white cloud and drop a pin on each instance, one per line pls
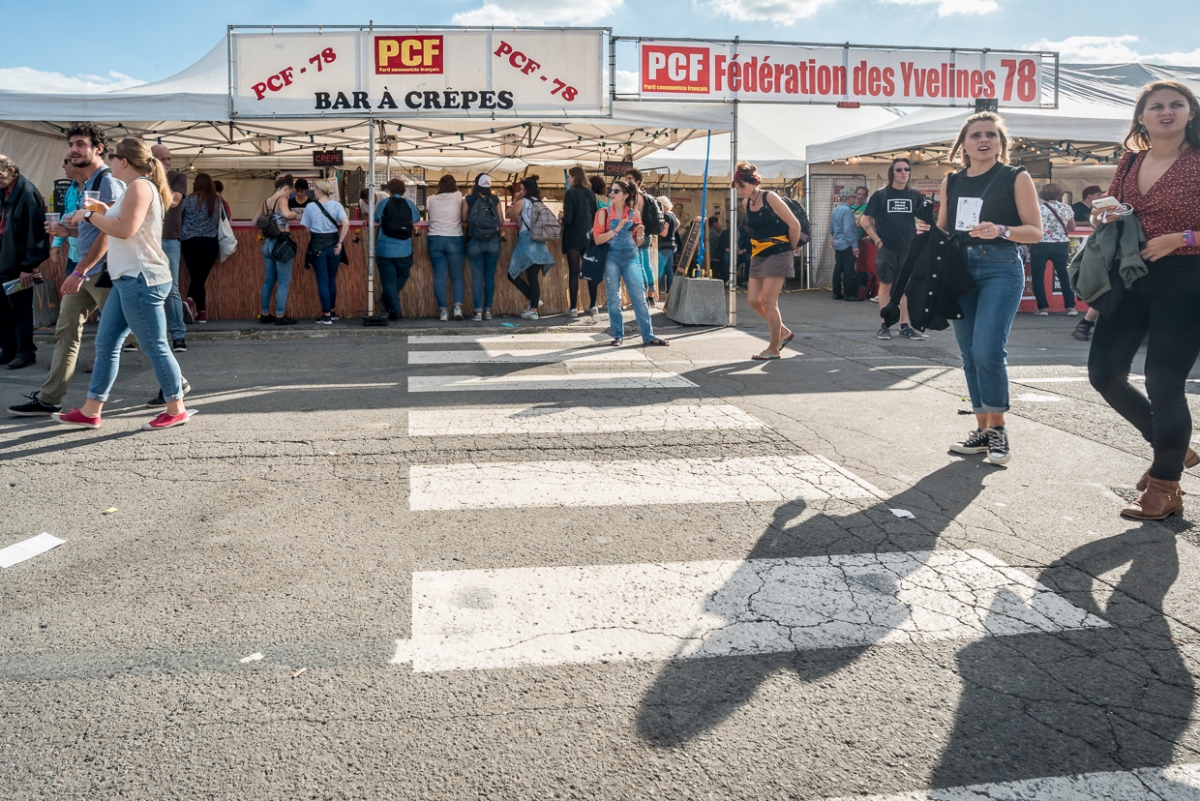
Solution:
(627, 82)
(948, 8)
(1112, 50)
(537, 12)
(783, 12)
(27, 79)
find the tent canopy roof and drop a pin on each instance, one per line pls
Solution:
(1093, 117)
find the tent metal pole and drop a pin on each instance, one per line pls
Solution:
(808, 254)
(370, 222)
(733, 217)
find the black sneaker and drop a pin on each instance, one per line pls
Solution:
(908, 332)
(1083, 331)
(179, 346)
(884, 333)
(997, 448)
(284, 321)
(159, 400)
(35, 408)
(266, 319)
(976, 442)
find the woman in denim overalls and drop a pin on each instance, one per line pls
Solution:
(621, 229)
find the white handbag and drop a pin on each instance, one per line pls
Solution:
(226, 242)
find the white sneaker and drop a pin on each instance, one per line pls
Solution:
(444, 316)
(1042, 312)
(1072, 313)
(572, 313)
(529, 314)
(592, 312)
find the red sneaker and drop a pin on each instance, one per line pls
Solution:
(202, 317)
(77, 418)
(168, 420)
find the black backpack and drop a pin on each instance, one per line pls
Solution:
(652, 215)
(798, 209)
(483, 218)
(397, 220)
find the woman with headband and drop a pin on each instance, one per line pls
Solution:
(774, 236)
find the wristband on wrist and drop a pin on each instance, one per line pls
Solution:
(1189, 239)
(78, 274)
(1003, 231)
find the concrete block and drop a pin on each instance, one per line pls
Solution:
(698, 301)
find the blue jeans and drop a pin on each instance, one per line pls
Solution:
(988, 313)
(666, 267)
(643, 259)
(631, 271)
(326, 268)
(277, 274)
(175, 322)
(133, 306)
(446, 255)
(483, 254)
(393, 274)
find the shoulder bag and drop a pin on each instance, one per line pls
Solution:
(595, 256)
(226, 242)
(343, 258)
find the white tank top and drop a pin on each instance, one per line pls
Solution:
(142, 252)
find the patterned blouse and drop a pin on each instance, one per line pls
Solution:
(196, 220)
(1172, 205)
(1052, 227)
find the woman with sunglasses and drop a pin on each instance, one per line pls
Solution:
(141, 276)
(620, 227)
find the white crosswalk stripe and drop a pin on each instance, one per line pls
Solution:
(557, 418)
(488, 619)
(1175, 783)
(506, 355)
(635, 482)
(585, 382)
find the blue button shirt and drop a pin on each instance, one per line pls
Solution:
(843, 227)
(386, 246)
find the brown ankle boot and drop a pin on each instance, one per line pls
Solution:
(1191, 460)
(1158, 501)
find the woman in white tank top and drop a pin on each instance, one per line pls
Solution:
(141, 277)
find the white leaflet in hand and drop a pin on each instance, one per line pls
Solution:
(968, 213)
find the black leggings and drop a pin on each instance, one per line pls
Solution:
(574, 264)
(200, 253)
(529, 285)
(1165, 305)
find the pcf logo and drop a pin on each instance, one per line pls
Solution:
(399, 55)
(675, 69)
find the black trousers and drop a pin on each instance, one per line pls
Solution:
(200, 253)
(1163, 306)
(574, 263)
(529, 284)
(16, 323)
(843, 273)
(1058, 254)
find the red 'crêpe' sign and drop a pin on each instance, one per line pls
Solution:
(328, 158)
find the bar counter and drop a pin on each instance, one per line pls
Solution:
(235, 286)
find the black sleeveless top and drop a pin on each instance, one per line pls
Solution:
(766, 229)
(999, 204)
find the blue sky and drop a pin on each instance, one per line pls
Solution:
(136, 41)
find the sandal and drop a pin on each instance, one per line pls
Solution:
(616, 343)
(764, 356)
(790, 337)
(662, 343)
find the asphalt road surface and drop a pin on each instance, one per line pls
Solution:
(520, 564)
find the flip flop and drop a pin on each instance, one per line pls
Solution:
(764, 357)
(789, 339)
(662, 343)
(616, 343)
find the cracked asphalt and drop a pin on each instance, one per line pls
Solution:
(278, 522)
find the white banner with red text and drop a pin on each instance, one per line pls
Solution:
(427, 72)
(786, 73)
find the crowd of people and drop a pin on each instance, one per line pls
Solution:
(125, 225)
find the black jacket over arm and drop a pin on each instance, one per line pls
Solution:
(933, 278)
(25, 243)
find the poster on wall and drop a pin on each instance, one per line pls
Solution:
(790, 73)
(426, 72)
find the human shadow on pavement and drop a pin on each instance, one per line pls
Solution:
(693, 695)
(1082, 701)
